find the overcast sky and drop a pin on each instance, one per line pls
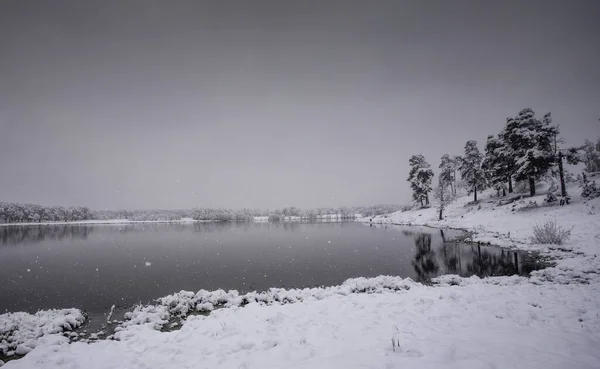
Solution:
(179, 104)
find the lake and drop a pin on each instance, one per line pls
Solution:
(92, 267)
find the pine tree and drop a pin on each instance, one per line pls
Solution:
(471, 170)
(444, 195)
(588, 189)
(530, 142)
(456, 161)
(591, 156)
(494, 164)
(420, 177)
(448, 172)
(506, 153)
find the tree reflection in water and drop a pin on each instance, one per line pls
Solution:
(464, 259)
(425, 261)
(16, 235)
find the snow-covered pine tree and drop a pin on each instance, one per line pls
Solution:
(507, 153)
(470, 170)
(495, 167)
(448, 172)
(456, 160)
(444, 195)
(590, 156)
(420, 177)
(588, 189)
(531, 142)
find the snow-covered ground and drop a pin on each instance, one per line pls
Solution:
(551, 320)
(511, 225)
(515, 324)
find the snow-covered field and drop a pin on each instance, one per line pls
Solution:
(551, 320)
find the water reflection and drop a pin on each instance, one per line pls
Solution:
(31, 234)
(425, 262)
(17, 235)
(465, 260)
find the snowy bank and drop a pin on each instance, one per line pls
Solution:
(181, 304)
(514, 324)
(20, 332)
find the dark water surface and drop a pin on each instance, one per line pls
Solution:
(93, 267)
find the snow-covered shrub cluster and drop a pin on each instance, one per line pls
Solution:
(589, 189)
(550, 197)
(19, 332)
(183, 303)
(550, 233)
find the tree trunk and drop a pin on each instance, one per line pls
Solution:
(503, 192)
(441, 202)
(426, 198)
(497, 192)
(475, 197)
(563, 188)
(531, 186)
(510, 187)
(454, 183)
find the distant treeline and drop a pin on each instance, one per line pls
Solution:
(25, 213)
(19, 213)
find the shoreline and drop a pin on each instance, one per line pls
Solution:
(104, 222)
(127, 221)
(554, 307)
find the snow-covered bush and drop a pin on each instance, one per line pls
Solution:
(20, 332)
(588, 188)
(564, 200)
(550, 233)
(550, 197)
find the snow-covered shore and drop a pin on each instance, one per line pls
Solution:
(261, 219)
(514, 324)
(107, 221)
(551, 320)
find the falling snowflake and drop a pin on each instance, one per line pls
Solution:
(148, 263)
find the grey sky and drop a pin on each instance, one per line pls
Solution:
(171, 104)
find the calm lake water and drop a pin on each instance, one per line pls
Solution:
(95, 266)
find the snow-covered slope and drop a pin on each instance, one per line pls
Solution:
(510, 225)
